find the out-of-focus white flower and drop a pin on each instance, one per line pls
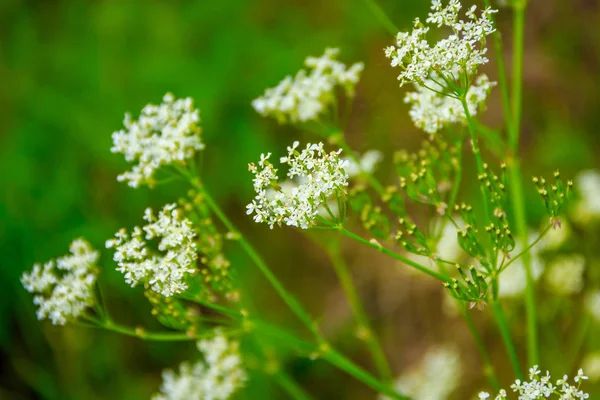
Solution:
(164, 271)
(430, 111)
(448, 247)
(541, 387)
(463, 50)
(555, 238)
(587, 185)
(163, 135)
(317, 175)
(367, 163)
(512, 280)
(564, 275)
(591, 365)
(435, 378)
(218, 377)
(64, 287)
(592, 304)
(307, 95)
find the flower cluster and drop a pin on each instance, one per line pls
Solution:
(541, 387)
(165, 271)
(163, 135)
(218, 377)
(305, 96)
(431, 111)
(463, 51)
(318, 175)
(436, 377)
(64, 287)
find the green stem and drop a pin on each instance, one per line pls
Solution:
(365, 330)
(526, 250)
(140, 332)
(515, 176)
(488, 367)
(502, 78)
(489, 370)
(478, 160)
(379, 247)
(578, 342)
(506, 338)
(382, 17)
(323, 350)
(290, 386)
(288, 298)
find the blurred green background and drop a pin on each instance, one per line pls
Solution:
(70, 69)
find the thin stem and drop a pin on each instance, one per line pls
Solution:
(517, 70)
(323, 350)
(506, 338)
(290, 386)
(488, 367)
(502, 78)
(516, 185)
(365, 330)
(526, 250)
(379, 247)
(578, 342)
(288, 298)
(478, 160)
(140, 332)
(382, 17)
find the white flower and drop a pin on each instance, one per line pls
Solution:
(309, 93)
(592, 304)
(587, 184)
(218, 377)
(64, 287)
(565, 274)
(317, 176)
(435, 378)
(163, 135)
(367, 163)
(164, 271)
(430, 111)
(541, 387)
(463, 51)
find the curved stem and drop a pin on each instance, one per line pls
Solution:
(526, 250)
(506, 338)
(379, 247)
(365, 331)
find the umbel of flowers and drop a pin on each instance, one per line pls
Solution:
(217, 377)
(162, 135)
(64, 288)
(318, 175)
(164, 271)
(308, 94)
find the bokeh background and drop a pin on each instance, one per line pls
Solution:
(70, 69)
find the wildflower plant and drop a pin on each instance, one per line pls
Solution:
(471, 246)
